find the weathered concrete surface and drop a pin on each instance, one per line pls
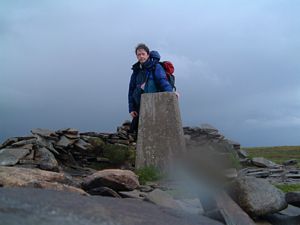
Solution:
(160, 136)
(28, 206)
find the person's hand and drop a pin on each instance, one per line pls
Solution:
(134, 114)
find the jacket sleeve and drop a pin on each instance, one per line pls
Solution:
(130, 94)
(161, 79)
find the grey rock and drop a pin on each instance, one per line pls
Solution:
(47, 207)
(104, 191)
(43, 142)
(11, 156)
(9, 141)
(290, 211)
(261, 174)
(46, 160)
(46, 133)
(293, 176)
(68, 131)
(293, 198)
(192, 206)
(231, 212)
(242, 153)
(162, 198)
(64, 142)
(262, 162)
(257, 196)
(116, 179)
(24, 142)
(133, 194)
(290, 162)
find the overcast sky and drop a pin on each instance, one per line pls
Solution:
(67, 63)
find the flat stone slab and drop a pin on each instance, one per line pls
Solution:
(28, 206)
(262, 162)
(44, 133)
(11, 156)
(231, 212)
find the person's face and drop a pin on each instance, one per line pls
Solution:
(142, 55)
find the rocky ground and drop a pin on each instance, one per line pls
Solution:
(61, 176)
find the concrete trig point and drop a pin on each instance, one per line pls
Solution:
(160, 135)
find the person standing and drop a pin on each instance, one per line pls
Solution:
(148, 76)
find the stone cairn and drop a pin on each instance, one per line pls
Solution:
(55, 150)
(102, 163)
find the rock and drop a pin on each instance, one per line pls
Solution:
(116, 179)
(64, 142)
(293, 176)
(9, 141)
(68, 131)
(82, 145)
(11, 156)
(260, 174)
(133, 194)
(162, 198)
(29, 206)
(24, 142)
(242, 153)
(104, 191)
(257, 196)
(192, 206)
(262, 162)
(46, 160)
(22, 177)
(231, 212)
(293, 198)
(45, 133)
(290, 162)
(55, 186)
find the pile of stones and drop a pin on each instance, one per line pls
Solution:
(93, 163)
(55, 150)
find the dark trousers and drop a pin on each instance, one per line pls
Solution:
(134, 125)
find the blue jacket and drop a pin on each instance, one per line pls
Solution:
(150, 72)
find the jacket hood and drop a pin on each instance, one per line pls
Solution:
(154, 55)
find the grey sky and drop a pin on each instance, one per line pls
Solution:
(67, 64)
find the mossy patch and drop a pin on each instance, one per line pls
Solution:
(288, 187)
(148, 174)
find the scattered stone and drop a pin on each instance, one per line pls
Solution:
(290, 162)
(191, 206)
(261, 174)
(104, 191)
(293, 198)
(262, 162)
(49, 134)
(231, 212)
(242, 153)
(116, 179)
(162, 198)
(11, 156)
(133, 194)
(257, 196)
(293, 176)
(290, 211)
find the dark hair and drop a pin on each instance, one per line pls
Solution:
(142, 46)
